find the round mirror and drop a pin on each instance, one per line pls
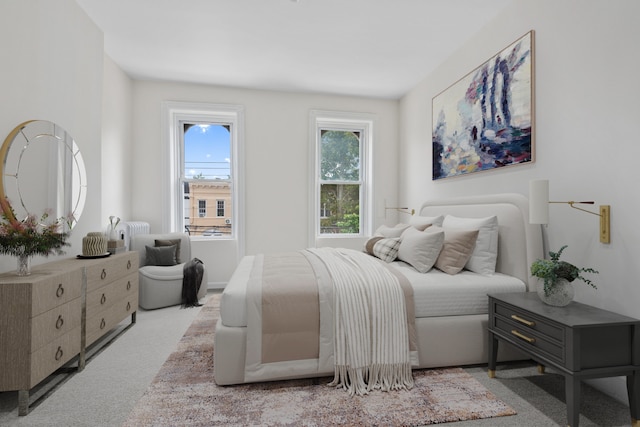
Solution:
(43, 170)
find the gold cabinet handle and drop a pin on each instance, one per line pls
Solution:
(103, 324)
(128, 305)
(59, 322)
(523, 321)
(59, 353)
(128, 264)
(524, 337)
(60, 290)
(103, 299)
(104, 274)
(129, 285)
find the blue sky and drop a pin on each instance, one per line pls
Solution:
(207, 149)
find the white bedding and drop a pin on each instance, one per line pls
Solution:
(440, 294)
(435, 293)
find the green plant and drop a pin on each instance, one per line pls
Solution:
(553, 269)
(31, 236)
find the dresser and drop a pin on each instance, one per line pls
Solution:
(52, 315)
(579, 341)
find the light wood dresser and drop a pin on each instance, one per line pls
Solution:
(52, 315)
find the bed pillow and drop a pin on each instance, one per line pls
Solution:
(386, 231)
(169, 242)
(484, 256)
(456, 250)
(422, 222)
(384, 248)
(163, 255)
(420, 249)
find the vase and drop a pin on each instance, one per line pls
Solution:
(112, 234)
(560, 294)
(24, 265)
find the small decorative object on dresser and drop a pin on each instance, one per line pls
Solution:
(555, 286)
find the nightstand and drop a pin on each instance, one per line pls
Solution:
(579, 341)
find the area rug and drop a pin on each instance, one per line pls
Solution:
(184, 393)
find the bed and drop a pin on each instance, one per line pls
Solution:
(450, 310)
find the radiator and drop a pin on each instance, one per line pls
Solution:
(129, 229)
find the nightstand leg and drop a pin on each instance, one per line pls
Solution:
(572, 396)
(493, 355)
(541, 369)
(633, 391)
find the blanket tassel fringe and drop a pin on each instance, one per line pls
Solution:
(386, 377)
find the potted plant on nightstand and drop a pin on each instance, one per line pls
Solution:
(555, 286)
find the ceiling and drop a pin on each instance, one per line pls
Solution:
(373, 48)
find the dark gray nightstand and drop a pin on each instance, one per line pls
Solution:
(580, 341)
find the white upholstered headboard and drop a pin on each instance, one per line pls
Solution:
(519, 243)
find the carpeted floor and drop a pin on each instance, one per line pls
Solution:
(184, 393)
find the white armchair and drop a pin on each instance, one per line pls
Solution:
(161, 285)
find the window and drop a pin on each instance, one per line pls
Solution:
(342, 188)
(204, 155)
(220, 208)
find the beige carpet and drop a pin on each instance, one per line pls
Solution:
(184, 393)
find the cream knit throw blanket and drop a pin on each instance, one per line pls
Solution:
(370, 328)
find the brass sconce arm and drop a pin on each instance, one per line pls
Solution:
(402, 210)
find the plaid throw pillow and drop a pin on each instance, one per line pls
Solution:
(384, 248)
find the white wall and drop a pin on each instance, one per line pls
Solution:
(117, 118)
(276, 163)
(587, 110)
(52, 58)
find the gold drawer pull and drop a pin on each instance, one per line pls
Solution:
(59, 353)
(128, 284)
(103, 299)
(60, 290)
(523, 321)
(104, 274)
(128, 264)
(524, 337)
(103, 323)
(59, 322)
(128, 306)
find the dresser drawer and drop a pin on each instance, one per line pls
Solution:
(109, 269)
(99, 325)
(102, 298)
(55, 289)
(53, 355)
(54, 323)
(530, 322)
(532, 341)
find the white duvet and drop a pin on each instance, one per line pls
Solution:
(435, 293)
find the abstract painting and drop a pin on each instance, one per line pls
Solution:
(485, 120)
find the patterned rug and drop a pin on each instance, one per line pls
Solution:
(184, 393)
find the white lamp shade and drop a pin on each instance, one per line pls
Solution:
(539, 201)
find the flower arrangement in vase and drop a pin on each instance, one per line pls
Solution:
(31, 236)
(555, 275)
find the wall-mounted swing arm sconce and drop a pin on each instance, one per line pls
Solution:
(539, 208)
(399, 209)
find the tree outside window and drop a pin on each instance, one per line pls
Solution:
(340, 181)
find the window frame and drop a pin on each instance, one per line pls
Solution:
(175, 113)
(344, 121)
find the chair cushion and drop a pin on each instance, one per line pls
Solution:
(165, 255)
(157, 272)
(170, 242)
